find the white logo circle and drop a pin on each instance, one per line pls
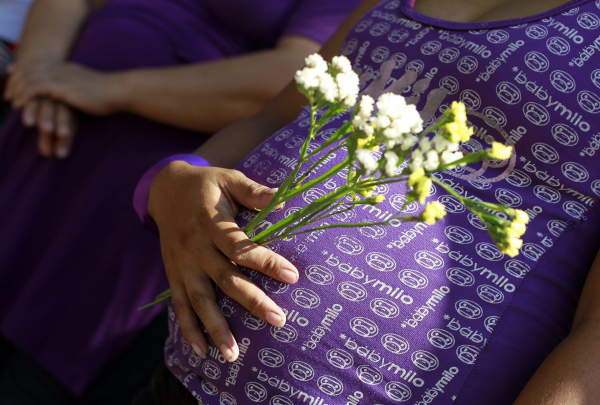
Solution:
(397, 391)
(516, 268)
(497, 36)
(490, 294)
(440, 338)
(431, 47)
(459, 235)
(211, 369)
(467, 353)
(397, 36)
(557, 227)
(468, 309)
(227, 399)
(537, 62)
(330, 385)
(595, 76)
(352, 291)
(536, 113)
(467, 64)
(508, 93)
(476, 222)
(369, 375)
(449, 55)
(274, 286)
(255, 392)
(416, 66)
(508, 197)
(285, 334)
(301, 371)
(363, 25)
(399, 59)
(518, 178)
(380, 54)
(452, 204)
(451, 84)
(490, 322)
(306, 298)
(424, 360)
(562, 81)
(558, 46)
(349, 245)
(471, 99)
(496, 115)
(536, 31)
(413, 279)
(575, 172)
(532, 251)
(429, 260)
(380, 261)
(380, 29)
(364, 327)
(460, 277)
(252, 322)
(588, 21)
(373, 231)
(574, 209)
(489, 251)
(319, 274)
(384, 308)
(589, 101)
(340, 359)
(547, 194)
(271, 357)
(596, 187)
(565, 135)
(395, 343)
(545, 153)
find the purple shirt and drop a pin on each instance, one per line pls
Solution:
(418, 314)
(75, 264)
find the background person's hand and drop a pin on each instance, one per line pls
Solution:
(195, 208)
(56, 123)
(79, 87)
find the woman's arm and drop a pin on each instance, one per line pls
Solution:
(195, 209)
(569, 376)
(51, 29)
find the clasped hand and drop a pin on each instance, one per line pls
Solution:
(48, 93)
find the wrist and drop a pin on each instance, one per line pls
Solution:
(141, 195)
(119, 89)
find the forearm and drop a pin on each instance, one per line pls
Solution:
(51, 28)
(207, 97)
(569, 376)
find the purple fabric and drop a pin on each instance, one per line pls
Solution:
(421, 314)
(142, 190)
(75, 263)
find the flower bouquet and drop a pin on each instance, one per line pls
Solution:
(384, 142)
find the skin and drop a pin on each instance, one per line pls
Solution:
(189, 224)
(201, 97)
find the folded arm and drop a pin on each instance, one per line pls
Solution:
(569, 376)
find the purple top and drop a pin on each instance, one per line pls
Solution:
(420, 314)
(75, 263)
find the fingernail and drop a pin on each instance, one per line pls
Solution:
(288, 276)
(198, 351)
(227, 352)
(272, 191)
(275, 319)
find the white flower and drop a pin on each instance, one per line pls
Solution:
(450, 157)
(441, 143)
(416, 161)
(432, 161)
(315, 61)
(391, 105)
(391, 163)
(425, 145)
(308, 78)
(347, 87)
(409, 142)
(366, 107)
(367, 161)
(342, 64)
(392, 133)
(381, 121)
(328, 87)
(412, 116)
(367, 129)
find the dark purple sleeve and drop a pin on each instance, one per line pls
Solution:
(318, 19)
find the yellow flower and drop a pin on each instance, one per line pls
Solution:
(459, 132)
(513, 246)
(375, 148)
(459, 111)
(434, 211)
(379, 198)
(500, 151)
(521, 217)
(415, 176)
(424, 188)
(366, 193)
(517, 228)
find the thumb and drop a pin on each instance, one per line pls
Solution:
(249, 193)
